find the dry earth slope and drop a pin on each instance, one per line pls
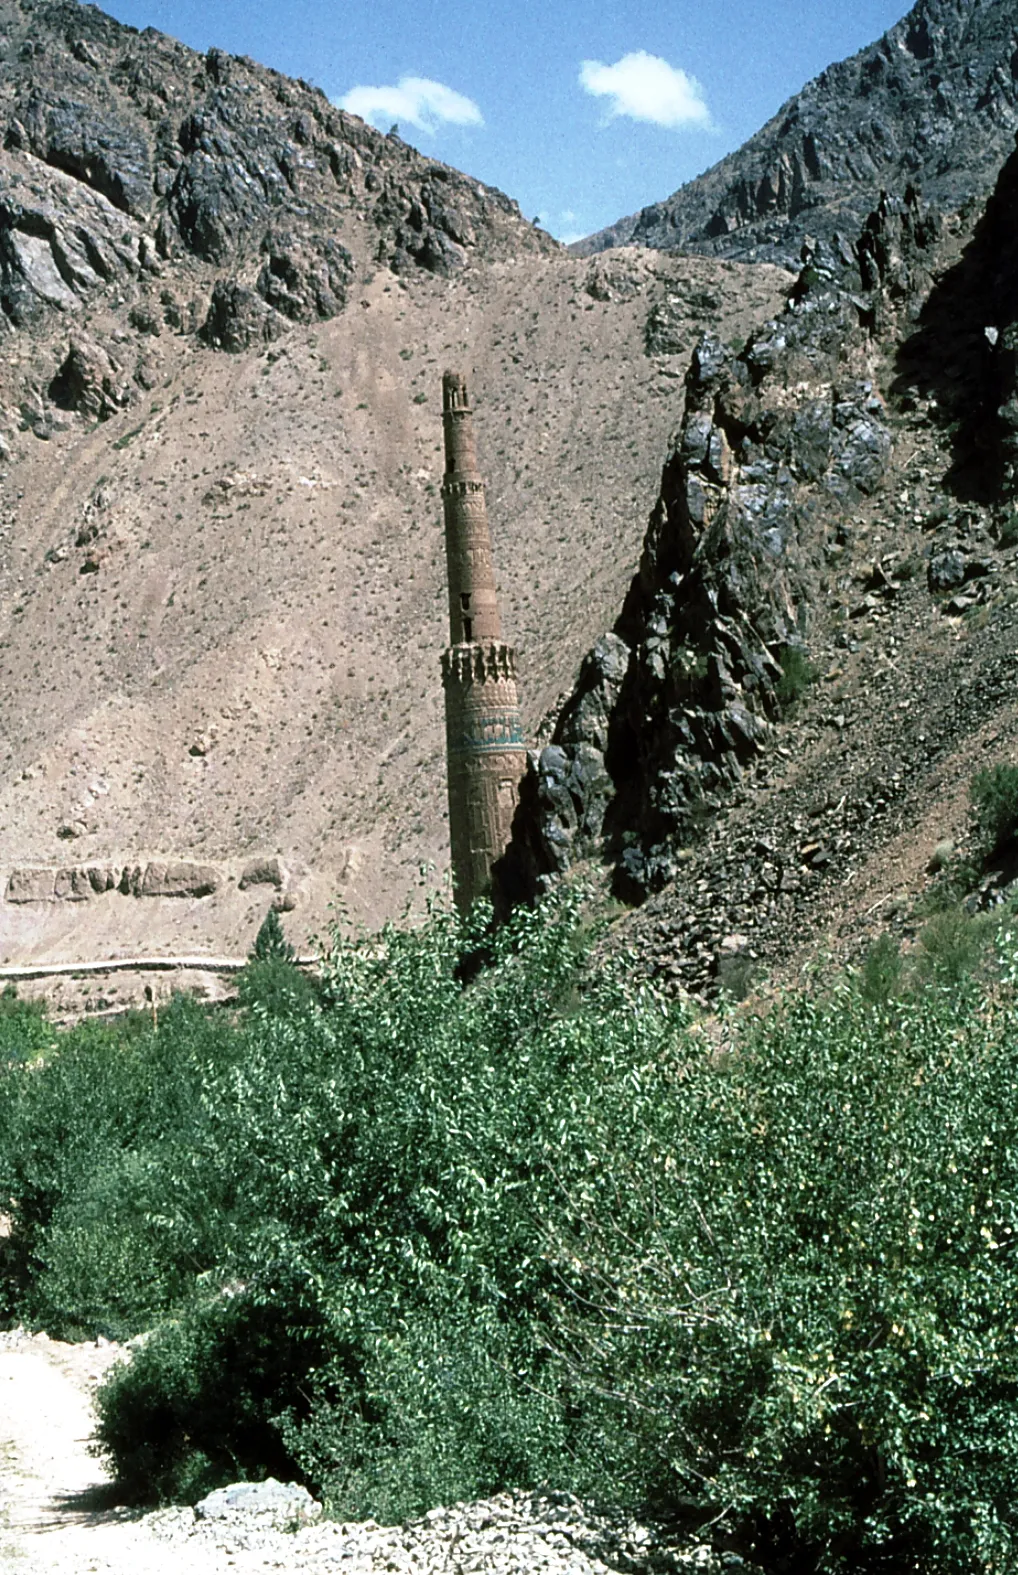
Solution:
(226, 308)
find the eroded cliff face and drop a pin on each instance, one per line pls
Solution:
(933, 102)
(779, 444)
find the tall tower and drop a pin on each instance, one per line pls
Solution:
(484, 739)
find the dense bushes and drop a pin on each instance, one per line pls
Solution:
(417, 1240)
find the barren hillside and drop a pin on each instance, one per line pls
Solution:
(221, 585)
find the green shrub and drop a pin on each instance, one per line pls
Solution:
(276, 988)
(881, 976)
(416, 1240)
(198, 1404)
(953, 945)
(797, 673)
(994, 794)
(271, 944)
(802, 1268)
(393, 1140)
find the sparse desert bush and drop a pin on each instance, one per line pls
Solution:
(994, 794)
(797, 673)
(881, 974)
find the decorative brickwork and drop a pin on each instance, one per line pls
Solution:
(484, 738)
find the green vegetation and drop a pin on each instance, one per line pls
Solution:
(994, 793)
(797, 673)
(122, 442)
(271, 945)
(414, 1239)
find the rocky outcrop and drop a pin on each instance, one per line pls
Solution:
(182, 879)
(238, 318)
(268, 871)
(61, 244)
(123, 150)
(108, 155)
(566, 790)
(961, 360)
(90, 382)
(778, 442)
(304, 278)
(934, 102)
(82, 882)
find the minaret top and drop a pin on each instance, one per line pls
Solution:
(473, 606)
(454, 391)
(458, 427)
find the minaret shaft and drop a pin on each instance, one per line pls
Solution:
(484, 740)
(473, 606)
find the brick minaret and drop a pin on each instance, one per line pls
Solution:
(486, 757)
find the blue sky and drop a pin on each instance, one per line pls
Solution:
(583, 110)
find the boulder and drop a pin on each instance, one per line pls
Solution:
(266, 871)
(103, 878)
(269, 1505)
(946, 570)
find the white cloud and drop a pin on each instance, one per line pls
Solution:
(645, 87)
(414, 101)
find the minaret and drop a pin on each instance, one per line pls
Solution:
(486, 757)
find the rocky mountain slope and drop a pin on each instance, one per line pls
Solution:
(221, 576)
(933, 103)
(226, 308)
(817, 651)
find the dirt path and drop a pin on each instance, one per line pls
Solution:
(52, 1517)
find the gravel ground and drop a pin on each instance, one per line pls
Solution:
(55, 1519)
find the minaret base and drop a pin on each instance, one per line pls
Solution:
(486, 758)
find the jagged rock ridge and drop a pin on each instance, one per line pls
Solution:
(778, 444)
(934, 102)
(893, 569)
(126, 151)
